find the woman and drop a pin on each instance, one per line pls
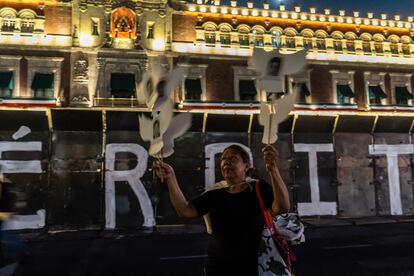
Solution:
(234, 212)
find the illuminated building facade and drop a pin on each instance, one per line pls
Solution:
(92, 53)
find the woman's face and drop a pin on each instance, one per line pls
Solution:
(232, 165)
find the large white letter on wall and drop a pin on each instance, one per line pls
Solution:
(16, 222)
(315, 207)
(211, 150)
(392, 152)
(133, 177)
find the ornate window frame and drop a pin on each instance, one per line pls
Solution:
(12, 63)
(345, 78)
(374, 79)
(45, 65)
(245, 73)
(20, 18)
(194, 71)
(303, 77)
(108, 66)
(399, 79)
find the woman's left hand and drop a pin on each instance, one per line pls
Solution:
(270, 156)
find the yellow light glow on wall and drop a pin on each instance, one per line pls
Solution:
(158, 44)
(223, 10)
(85, 40)
(265, 14)
(45, 39)
(203, 9)
(36, 39)
(359, 58)
(234, 11)
(32, 40)
(255, 12)
(192, 8)
(60, 40)
(245, 12)
(213, 9)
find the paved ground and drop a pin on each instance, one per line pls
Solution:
(334, 247)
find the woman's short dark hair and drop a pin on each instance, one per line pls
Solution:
(243, 153)
(246, 159)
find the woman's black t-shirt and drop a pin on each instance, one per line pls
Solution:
(236, 221)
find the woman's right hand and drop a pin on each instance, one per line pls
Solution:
(163, 170)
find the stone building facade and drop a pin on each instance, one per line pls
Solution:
(92, 53)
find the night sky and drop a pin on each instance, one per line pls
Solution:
(391, 7)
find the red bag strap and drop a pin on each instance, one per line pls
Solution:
(267, 216)
(268, 220)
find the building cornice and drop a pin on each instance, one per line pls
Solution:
(297, 17)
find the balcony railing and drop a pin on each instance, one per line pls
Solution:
(117, 102)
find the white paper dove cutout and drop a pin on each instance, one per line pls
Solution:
(145, 93)
(273, 66)
(271, 115)
(153, 129)
(178, 126)
(162, 128)
(156, 87)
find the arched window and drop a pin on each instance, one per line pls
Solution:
(406, 48)
(337, 41)
(320, 40)
(225, 35)
(8, 17)
(275, 39)
(243, 36)
(394, 47)
(290, 41)
(378, 45)
(258, 38)
(27, 21)
(210, 34)
(366, 44)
